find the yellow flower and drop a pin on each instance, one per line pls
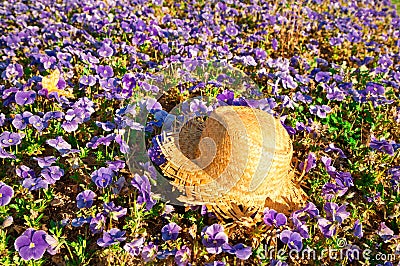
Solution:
(50, 84)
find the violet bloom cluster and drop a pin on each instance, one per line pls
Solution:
(320, 110)
(301, 218)
(155, 153)
(149, 252)
(52, 173)
(32, 244)
(343, 181)
(48, 175)
(335, 215)
(89, 44)
(142, 184)
(332, 147)
(97, 223)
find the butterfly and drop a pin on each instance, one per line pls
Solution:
(50, 84)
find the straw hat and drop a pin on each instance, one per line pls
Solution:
(237, 162)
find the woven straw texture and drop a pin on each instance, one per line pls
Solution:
(237, 162)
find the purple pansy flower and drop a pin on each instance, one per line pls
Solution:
(102, 177)
(105, 71)
(386, 233)
(335, 216)
(134, 247)
(322, 76)
(6, 193)
(52, 115)
(149, 252)
(311, 163)
(273, 218)
(111, 237)
(106, 126)
(52, 173)
(343, 179)
(37, 122)
(34, 183)
(320, 110)
(87, 80)
(226, 96)
(232, 30)
(8, 139)
(45, 161)
(142, 184)
(213, 238)
(170, 231)
(327, 161)
(357, 229)
(105, 51)
(123, 146)
(332, 147)
(97, 223)
(118, 185)
(4, 154)
(381, 145)
(85, 199)
(114, 212)
(336, 213)
(309, 210)
(116, 165)
(25, 97)
(239, 250)
(300, 226)
(73, 118)
(292, 239)
(20, 121)
(61, 145)
(274, 44)
(31, 244)
(128, 81)
(13, 71)
(77, 222)
(182, 256)
(327, 227)
(24, 171)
